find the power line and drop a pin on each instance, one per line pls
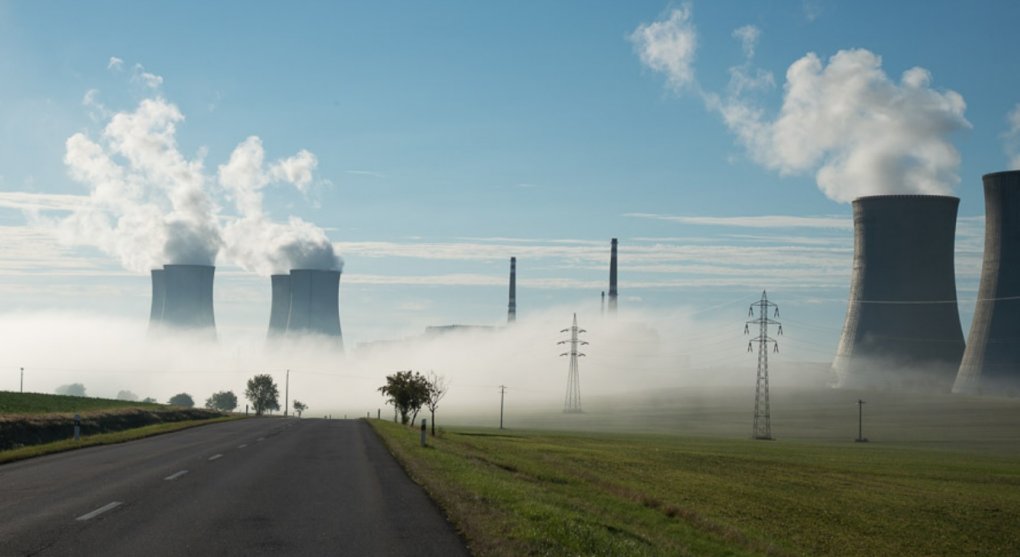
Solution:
(762, 409)
(572, 402)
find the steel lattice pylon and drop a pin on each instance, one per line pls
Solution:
(762, 409)
(572, 402)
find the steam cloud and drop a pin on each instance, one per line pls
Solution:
(254, 241)
(1012, 137)
(859, 131)
(150, 205)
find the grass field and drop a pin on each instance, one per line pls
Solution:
(543, 493)
(36, 403)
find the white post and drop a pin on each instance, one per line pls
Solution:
(423, 420)
(77, 427)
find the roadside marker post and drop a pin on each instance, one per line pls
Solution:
(77, 427)
(423, 420)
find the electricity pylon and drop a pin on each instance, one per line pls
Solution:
(572, 403)
(762, 410)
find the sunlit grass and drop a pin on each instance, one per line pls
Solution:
(38, 403)
(593, 494)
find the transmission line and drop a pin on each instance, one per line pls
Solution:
(572, 402)
(762, 410)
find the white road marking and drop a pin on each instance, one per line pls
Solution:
(215, 456)
(242, 446)
(175, 475)
(260, 439)
(99, 511)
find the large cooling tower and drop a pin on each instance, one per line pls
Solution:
(279, 311)
(158, 297)
(902, 326)
(991, 363)
(314, 303)
(612, 278)
(188, 298)
(511, 314)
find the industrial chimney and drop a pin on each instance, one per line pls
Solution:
(511, 315)
(279, 311)
(188, 297)
(991, 362)
(612, 278)
(902, 327)
(315, 303)
(158, 298)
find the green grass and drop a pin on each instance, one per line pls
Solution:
(532, 493)
(37, 403)
(33, 451)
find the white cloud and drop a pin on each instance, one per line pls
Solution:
(748, 36)
(150, 80)
(764, 221)
(31, 202)
(668, 46)
(115, 64)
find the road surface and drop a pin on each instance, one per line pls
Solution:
(265, 486)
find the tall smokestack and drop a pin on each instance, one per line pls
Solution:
(991, 362)
(158, 297)
(189, 297)
(279, 311)
(511, 314)
(902, 326)
(612, 278)
(602, 308)
(315, 303)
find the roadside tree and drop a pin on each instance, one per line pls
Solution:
(407, 392)
(263, 393)
(299, 407)
(182, 399)
(437, 388)
(74, 389)
(225, 401)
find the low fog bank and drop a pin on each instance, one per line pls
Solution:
(934, 421)
(631, 352)
(658, 372)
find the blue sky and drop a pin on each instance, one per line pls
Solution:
(450, 136)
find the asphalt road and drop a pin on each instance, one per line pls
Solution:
(250, 487)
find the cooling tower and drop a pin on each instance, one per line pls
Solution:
(314, 303)
(991, 363)
(158, 297)
(902, 328)
(612, 278)
(279, 311)
(188, 297)
(511, 314)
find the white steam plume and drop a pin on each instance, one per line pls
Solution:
(1012, 137)
(253, 240)
(147, 204)
(860, 132)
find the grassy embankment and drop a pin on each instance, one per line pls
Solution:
(30, 421)
(531, 493)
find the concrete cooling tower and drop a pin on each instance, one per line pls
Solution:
(280, 308)
(158, 297)
(991, 363)
(315, 303)
(182, 298)
(902, 328)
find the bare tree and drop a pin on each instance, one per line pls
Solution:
(437, 388)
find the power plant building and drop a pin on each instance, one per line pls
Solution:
(182, 298)
(902, 327)
(314, 303)
(279, 308)
(612, 277)
(991, 362)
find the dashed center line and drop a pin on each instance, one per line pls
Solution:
(215, 456)
(99, 511)
(260, 439)
(175, 475)
(241, 446)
